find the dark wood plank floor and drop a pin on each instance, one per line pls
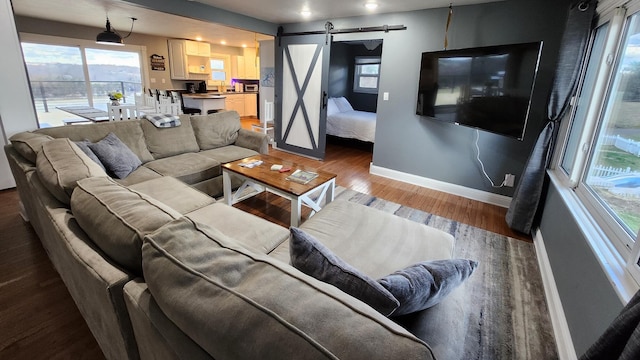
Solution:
(39, 320)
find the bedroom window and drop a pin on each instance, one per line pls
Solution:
(600, 154)
(367, 75)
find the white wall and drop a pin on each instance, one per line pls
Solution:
(16, 108)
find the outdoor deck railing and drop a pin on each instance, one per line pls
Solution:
(60, 93)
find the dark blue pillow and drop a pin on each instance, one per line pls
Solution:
(116, 157)
(84, 146)
(425, 284)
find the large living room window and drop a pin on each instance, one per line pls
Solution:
(71, 72)
(600, 152)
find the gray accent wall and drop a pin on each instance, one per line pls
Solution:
(589, 300)
(420, 146)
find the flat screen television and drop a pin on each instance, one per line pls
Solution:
(487, 88)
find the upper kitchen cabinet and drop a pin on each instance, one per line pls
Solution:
(183, 65)
(246, 66)
(197, 48)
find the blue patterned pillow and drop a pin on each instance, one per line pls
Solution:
(314, 259)
(116, 157)
(425, 284)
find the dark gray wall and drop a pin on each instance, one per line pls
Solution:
(411, 144)
(588, 299)
(342, 70)
(339, 70)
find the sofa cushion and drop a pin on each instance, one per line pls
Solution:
(250, 231)
(116, 219)
(174, 193)
(165, 142)
(314, 259)
(139, 175)
(190, 168)
(236, 303)
(29, 144)
(128, 131)
(392, 243)
(228, 153)
(61, 164)
(425, 284)
(217, 129)
(116, 157)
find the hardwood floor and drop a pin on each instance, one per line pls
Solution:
(39, 320)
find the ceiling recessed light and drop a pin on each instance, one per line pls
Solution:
(223, 42)
(244, 45)
(371, 5)
(305, 13)
(199, 38)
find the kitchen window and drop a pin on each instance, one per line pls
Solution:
(366, 75)
(600, 149)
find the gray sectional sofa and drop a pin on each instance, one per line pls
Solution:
(160, 270)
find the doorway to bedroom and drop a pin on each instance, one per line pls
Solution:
(354, 79)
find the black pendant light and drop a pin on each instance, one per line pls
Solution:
(111, 37)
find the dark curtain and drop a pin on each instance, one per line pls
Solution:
(621, 340)
(526, 198)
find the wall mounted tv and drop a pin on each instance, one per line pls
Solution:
(487, 88)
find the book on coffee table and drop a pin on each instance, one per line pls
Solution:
(301, 176)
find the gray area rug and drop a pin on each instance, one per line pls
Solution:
(507, 312)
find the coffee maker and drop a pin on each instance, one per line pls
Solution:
(191, 88)
(202, 87)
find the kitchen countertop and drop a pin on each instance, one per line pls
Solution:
(204, 96)
(216, 93)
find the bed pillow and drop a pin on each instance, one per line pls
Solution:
(343, 104)
(116, 157)
(314, 259)
(332, 108)
(425, 284)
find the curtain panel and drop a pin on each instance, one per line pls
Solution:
(526, 198)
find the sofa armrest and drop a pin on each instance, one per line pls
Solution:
(253, 140)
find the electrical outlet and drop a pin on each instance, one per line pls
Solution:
(509, 180)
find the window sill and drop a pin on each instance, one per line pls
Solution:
(612, 264)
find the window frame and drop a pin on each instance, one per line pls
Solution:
(84, 44)
(366, 60)
(226, 60)
(610, 242)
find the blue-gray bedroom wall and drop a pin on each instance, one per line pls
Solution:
(588, 299)
(419, 146)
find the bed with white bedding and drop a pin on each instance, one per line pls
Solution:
(344, 122)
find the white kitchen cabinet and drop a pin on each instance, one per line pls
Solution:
(177, 60)
(245, 66)
(235, 102)
(251, 105)
(187, 67)
(197, 48)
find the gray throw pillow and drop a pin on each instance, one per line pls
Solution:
(116, 157)
(84, 146)
(425, 284)
(314, 259)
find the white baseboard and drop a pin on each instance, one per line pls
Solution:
(469, 193)
(566, 350)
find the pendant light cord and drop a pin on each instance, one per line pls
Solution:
(446, 31)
